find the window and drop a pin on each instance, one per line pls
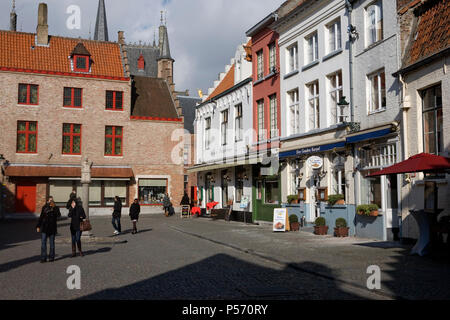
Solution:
(334, 36)
(113, 141)
(374, 23)
(377, 100)
(141, 63)
(259, 189)
(239, 177)
(292, 58)
(223, 126)
(114, 100)
(207, 132)
(152, 191)
(238, 122)
(314, 108)
(370, 189)
(294, 111)
(271, 192)
(81, 63)
(272, 58)
(28, 94)
(338, 176)
(433, 139)
(378, 156)
(115, 188)
(71, 138)
(336, 92)
(260, 65)
(273, 116)
(312, 48)
(72, 97)
(27, 136)
(261, 130)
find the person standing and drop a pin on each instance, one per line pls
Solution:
(185, 200)
(166, 204)
(47, 226)
(72, 196)
(77, 214)
(117, 213)
(135, 209)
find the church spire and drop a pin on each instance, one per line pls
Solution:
(101, 26)
(164, 48)
(13, 17)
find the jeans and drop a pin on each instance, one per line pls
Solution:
(116, 226)
(51, 238)
(76, 237)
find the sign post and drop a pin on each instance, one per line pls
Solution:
(280, 220)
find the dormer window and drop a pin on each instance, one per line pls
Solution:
(81, 63)
(141, 63)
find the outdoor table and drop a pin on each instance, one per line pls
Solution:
(425, 219)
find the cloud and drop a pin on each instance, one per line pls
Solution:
(203, 34)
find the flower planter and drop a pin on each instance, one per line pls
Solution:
(321, 230)
(341, 231)
(374, 213)
(295, 226)
(340, 202)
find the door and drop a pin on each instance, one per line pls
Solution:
(26, 198)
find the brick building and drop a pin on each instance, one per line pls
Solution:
(62, 100)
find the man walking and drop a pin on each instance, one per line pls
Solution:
(117, 213)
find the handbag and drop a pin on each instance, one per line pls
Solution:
(85, 225)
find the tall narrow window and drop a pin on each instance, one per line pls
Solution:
(377, 99)
(71, 138)
(27, 136)
(261, 129)
(433, 139)
(273, 116)
(28, 94)
(224, 126)
(335, 85)
(113, 141)
(114, 100)
(334, 36)
(207, 132)
(312, 48)
(294, 111)
(238, 122)
(374, 22)
(292, 58)
(272, 58)
(72, 97)
(260, 65)
(313, 100)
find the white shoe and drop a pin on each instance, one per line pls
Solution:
(116, 232)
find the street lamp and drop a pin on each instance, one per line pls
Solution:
(352, 126)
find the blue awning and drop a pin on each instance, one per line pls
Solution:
(309, 150)
(369, 135)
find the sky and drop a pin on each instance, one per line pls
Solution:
(203, 34)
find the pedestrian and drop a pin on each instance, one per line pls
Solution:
(76, 212)
(72, 196)
(185, 200)
(135, 209)
(47, 226)
(117, 213)
(166, 204)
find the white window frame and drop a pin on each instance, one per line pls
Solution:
(336, 115)
(292, 58)
(379, 156)
(272, 57)
(260, 65)
(207, 132)
(374, 32)
(334, 36)
(273, 116)
(314, 105)
(376, 76)
(261, 130)
(294, 111)
(224, 126)
(238, 122)
(312, 48)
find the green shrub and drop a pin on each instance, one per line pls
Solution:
(333, 198)
(293, 218)
(292, 197)
(373, 207)
(341, 223)
(320, 221)
(363, 209)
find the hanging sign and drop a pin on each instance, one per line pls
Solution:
(315, 162)
(280, 220)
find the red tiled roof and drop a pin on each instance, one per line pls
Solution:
(226, 83)
(433, 31)
(18, 50)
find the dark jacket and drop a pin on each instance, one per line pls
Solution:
(117, 213)
(135, 209)
(77, 214)
(185, 200)
(69, 202)
(47, 220)
(166, 201)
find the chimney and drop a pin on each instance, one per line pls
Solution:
(121, 37)
(42, 27)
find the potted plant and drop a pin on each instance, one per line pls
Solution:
(320, 227)
(341, 229)
(373, 208)
(367, 210)
(292, 199)
(336, 199)
(293, 222)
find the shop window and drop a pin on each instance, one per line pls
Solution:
(27, 136)
(60, 190)
(271, 192)
(72, 97)
(95, 193)
(370, 189)
(239, 184)
(28, 94)
(115, 188)
(152, 191)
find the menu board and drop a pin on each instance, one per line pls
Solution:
(280, 220)
(185, 212)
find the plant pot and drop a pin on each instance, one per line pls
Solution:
(374, 213)
(321, 230)
(341, 202)
(295, 226)
(341, 231)
(361, 213)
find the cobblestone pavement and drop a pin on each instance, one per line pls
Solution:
(173, 258)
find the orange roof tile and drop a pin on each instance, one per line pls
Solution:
(18, 50)
(226, 83)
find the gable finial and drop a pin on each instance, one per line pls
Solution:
(14, 6)
(162, 18)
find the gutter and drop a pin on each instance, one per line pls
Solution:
(260, 25)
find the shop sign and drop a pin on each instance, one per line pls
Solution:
(280, 219)
(315, 162)
(244, 202)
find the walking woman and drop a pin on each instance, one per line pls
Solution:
(166, 204)
(47, 226)
(76, 212)
(117, 213)
(135, 209)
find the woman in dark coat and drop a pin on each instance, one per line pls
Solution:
(166, 203)
(76, 212)
(117, 213)
(185, 200)
(135, 209)
(48, 228)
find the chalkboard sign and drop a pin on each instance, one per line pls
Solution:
(185, 212)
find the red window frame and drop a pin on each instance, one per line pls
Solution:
(28, 94)
(27, 133)
(72, 97)
(115, 107)
(71, 134)
(113, 137)
(75, 59)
